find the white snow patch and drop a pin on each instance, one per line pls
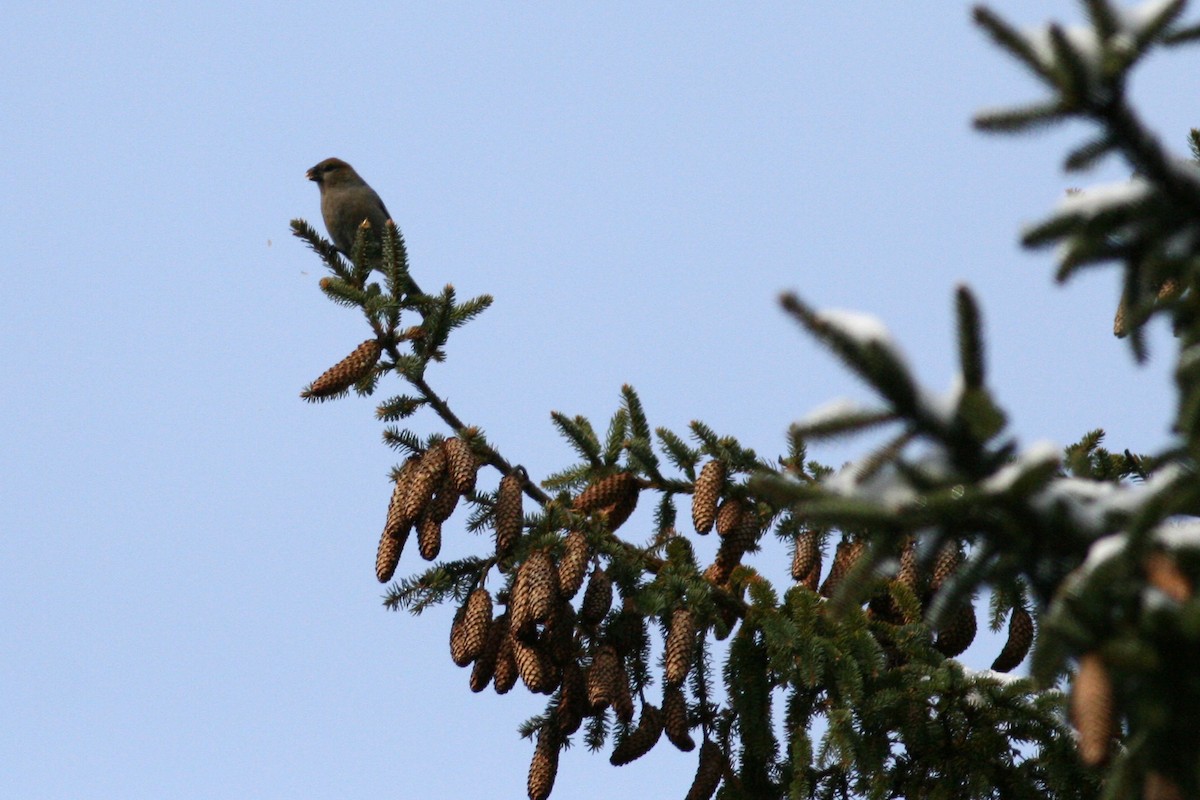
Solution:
(1179, 534)
(1138, 18)
(831, 411)
(885, 487)
(944, 407)
(1102, 550)
(864, 328)
(1101, 197)
(1039, 454)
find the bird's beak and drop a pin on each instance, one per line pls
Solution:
(312, 175)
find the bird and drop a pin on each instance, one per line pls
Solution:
(346, 201)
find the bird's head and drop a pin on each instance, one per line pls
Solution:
(333, 172)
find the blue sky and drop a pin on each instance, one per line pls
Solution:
(188, 606)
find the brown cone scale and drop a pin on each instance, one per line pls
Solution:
(709, 772)
(572, 568)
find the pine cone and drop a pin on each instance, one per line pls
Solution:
(804, 554)
(388, 554)
(675, 718)
(485, 664)
(444, 501)
(597, 598)
(1092, 709)
(542, 580)
(605, 492)
(844, 559)
(1163, 574)
(958, 632)
(603, 677)
(544, 766)
(429, 538)
(573, 700)
(1020, 637)
(509, 516)
(705, 493)
(505, 674)
(425, 479)
(641, 740)
(560, 634)
(622, 702)
(909, 574)
(947, 562)
(347, 372)
(573, 567)
(813, 579)
(618, 512)
(678, 649)
(708, 773)
(397, 518)
(726, 560)
(534, 667)
(729, 515)
(461, 466)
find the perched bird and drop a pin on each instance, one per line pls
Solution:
(347, 200)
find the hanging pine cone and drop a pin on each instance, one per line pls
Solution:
(544, 766)
(534, 667)
(726, 560)
(844, 559)
(387, 557)
(678, 650)
(559, 636)
(597, 598)
(804, 554)
(909, 574)
(603, 677)
(505, 675)
(618, 512)
(444, 501)
(461, 466)
(573, 700)
(729, 515)
(429, 538)
(573, 567)
(947, 562)
(424, 482)
(604, 492)
(1092, 709)
(509, 516)
(396, 517)
(813, 579)
(641, 740)
(958, 632)
(675, 718)
(542, 581)
(347, 372)
(705, 493)
(622, 701)
(709, 772)
(485, 664)
(1020, 637)
(1163, 574)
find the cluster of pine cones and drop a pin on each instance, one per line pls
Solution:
(578, 654)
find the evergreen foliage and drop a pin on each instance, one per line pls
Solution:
(848, 691)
